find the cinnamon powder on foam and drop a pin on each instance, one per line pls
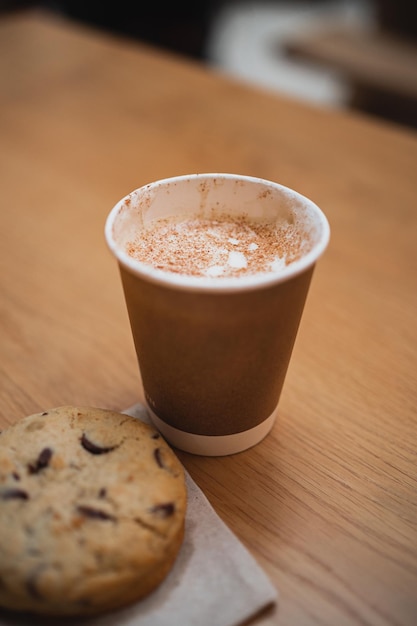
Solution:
(218, 248)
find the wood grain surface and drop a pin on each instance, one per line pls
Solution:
(327, 503)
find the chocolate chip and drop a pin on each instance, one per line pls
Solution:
(94, 448)
(164, 510)
(32, 580)
(93, 513)
(15, 475)
(14, 494)
(44, 413)
(41, 462)
(32, 589)
(155, 436)
(102, 493)
(158, 458)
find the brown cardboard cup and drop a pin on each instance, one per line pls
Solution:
(213, 352)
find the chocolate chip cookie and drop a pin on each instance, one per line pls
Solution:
(92, 511)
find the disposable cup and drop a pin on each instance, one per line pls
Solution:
(213, 351)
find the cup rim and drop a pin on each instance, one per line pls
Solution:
(216, 284)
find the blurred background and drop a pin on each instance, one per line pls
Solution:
(352, 54)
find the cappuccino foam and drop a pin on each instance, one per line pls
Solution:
(223, 247)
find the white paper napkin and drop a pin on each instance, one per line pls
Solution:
(215, 581)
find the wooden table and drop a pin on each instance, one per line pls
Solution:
(373, 59)
(380, 69)
(327, 503)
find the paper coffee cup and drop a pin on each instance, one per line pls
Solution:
(213, 349)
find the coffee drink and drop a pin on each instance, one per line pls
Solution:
(219, 247)
(215, 270)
